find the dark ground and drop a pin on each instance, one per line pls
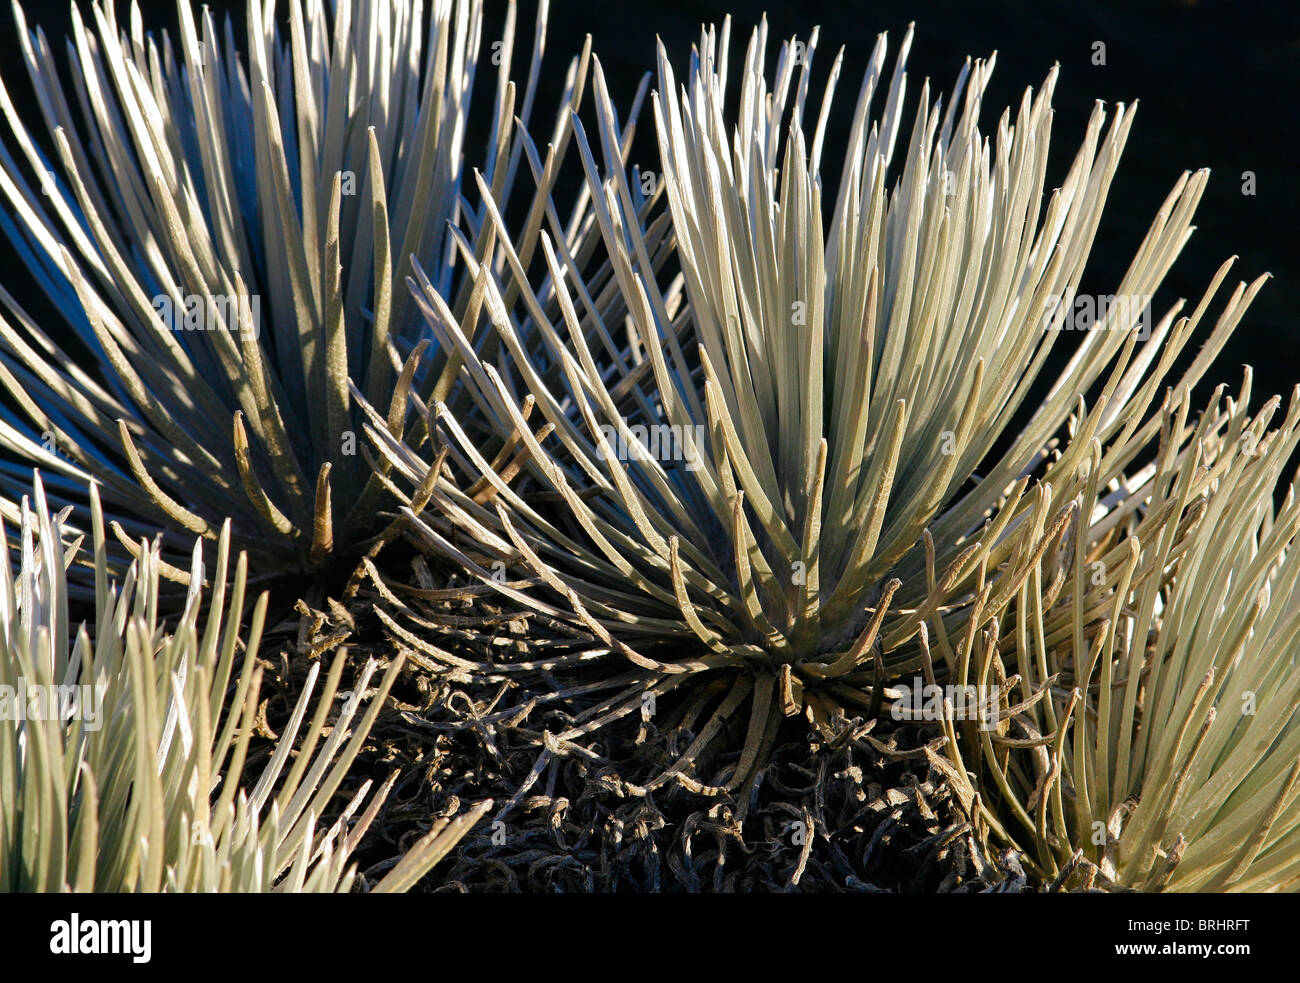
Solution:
(858, 811)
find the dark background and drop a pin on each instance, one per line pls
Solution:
(1217, 84)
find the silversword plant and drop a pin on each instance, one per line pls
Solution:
(229, 237)
(852, 364)
(1155, 738)
(151, 796)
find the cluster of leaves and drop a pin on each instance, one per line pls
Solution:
(136, 783)
(228, 239)
(1156, 736)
